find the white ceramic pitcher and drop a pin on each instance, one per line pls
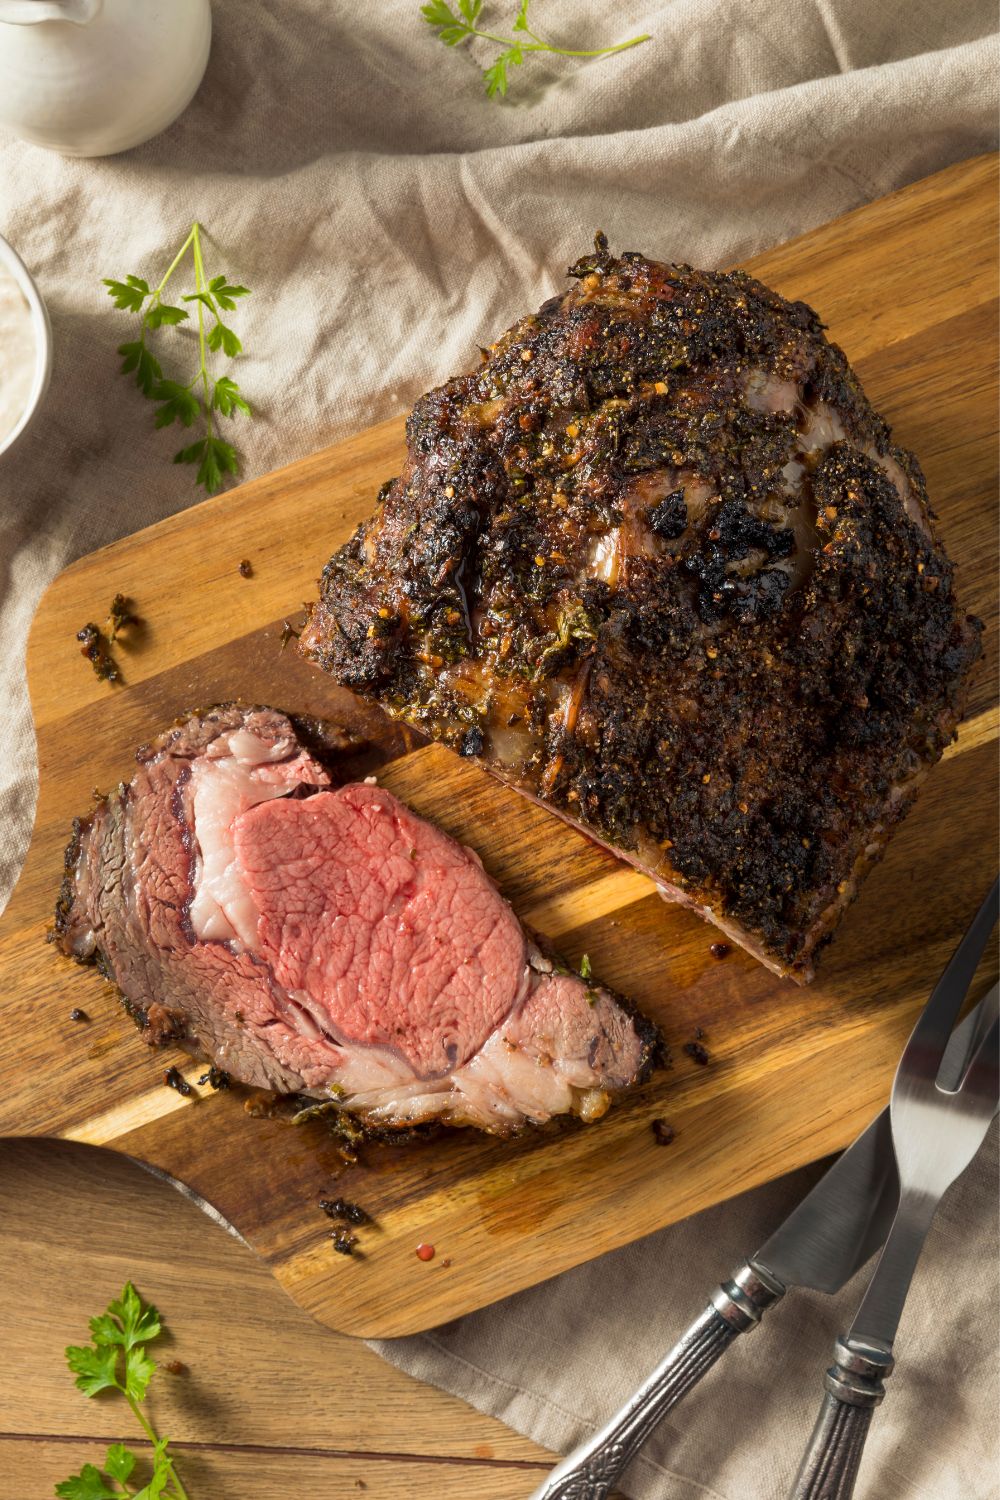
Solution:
(91, 77)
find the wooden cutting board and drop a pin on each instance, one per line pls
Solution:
(908, 287)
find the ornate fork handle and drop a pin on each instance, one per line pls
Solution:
(590, 1471)
(854, 1388)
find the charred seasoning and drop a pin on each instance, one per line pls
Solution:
(215, 1078)
(696, 1052)
(663, 1133)
(174, 1079)
(120, 615)
(340, 1208)
(93, 648)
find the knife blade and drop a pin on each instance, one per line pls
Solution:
(839, 1225)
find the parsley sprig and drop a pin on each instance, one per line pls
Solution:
(204, 398)
(455, 27)
(117, 1360)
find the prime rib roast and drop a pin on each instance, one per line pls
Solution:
(658, 564)
(315, 938)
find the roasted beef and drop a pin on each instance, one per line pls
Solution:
(658, 564)
(321, 939)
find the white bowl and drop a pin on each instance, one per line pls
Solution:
(12, 263)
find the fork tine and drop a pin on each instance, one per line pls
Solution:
(930, 1035)
(983, 1073)
(956, 1062)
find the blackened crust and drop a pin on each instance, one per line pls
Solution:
(745, 706)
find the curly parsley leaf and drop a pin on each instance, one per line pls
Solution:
(176, 400)
(452, 28)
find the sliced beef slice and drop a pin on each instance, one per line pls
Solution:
(324, 940)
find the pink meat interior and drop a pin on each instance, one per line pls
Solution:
(375, 919)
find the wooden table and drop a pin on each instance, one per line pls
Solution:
(272, 1405)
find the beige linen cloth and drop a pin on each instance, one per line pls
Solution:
(389, 218)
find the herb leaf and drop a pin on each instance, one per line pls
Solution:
(139, 1320)
(119, 1462)
(227, 399)
(176, 399)
(139, 1369)
(118, 1359)
(135, 356)
(437, 13)
(87, 1485)
(95, 1369)
(225, 294)
(162, 312)
(495, 77)
(452, 29)
(128, 295)
(224, 338)
(179, 405)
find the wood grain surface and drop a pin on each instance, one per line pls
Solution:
(908, 288)
(270, 1403)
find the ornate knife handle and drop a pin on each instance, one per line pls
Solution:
(854, 1388)
(590, 1471)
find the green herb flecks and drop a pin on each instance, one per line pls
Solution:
(573, 624)
(117, 1360)
(459, 25)
(205, 398)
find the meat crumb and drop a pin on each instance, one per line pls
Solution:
(216, 1078)
(120, 615)
(720, 950)
(696, 1052)
(663, 1133)
(76, 1014)
(246, 568)
(176, 1367)
(340, 1208)
(174, 1079)
(93, 648)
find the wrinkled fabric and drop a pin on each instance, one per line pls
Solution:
(389, 218)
